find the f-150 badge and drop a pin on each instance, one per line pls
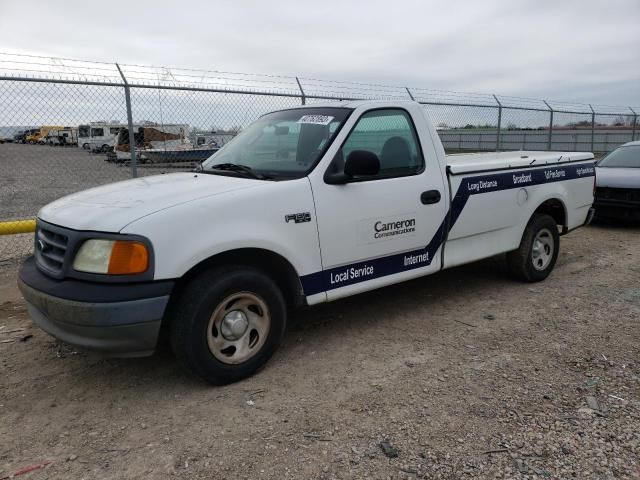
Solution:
(298, 217)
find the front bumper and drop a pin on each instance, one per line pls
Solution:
(619, 209)
(120, 320)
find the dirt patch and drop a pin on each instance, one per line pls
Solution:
(464, 374)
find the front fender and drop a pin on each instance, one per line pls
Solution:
(187, 234)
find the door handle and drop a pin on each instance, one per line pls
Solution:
(430, 196)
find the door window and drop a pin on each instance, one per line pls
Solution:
(389, 133)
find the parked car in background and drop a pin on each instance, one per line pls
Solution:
(20, 137)
(617, 192)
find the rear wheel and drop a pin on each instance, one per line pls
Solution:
(227, 323)
(536, 256)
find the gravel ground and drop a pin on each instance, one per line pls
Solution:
(464, 374)
(34, 175)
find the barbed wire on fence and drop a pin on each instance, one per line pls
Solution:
(65, 123)
(36, 67)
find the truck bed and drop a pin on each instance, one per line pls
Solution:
(482, 162)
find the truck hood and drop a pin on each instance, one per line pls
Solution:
(618, 177)
(110, 208)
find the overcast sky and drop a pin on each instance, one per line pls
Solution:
(584, 51)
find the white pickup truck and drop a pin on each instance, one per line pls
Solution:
(305, 206)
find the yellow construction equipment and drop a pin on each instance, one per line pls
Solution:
(43, 132)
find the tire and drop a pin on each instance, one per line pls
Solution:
(203, 336)
(536, 256)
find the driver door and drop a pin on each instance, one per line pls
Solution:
(378, 229)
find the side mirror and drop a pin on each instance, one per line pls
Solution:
(361, 162)
(358, 163)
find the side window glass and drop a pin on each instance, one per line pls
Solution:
(390, 135)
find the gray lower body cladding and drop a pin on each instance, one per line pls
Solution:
(116, 327)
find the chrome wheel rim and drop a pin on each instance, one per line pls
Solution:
(542, 249)
(238, 328)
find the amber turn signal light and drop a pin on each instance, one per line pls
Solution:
(128, 257)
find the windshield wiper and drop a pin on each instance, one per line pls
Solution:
(235, 167)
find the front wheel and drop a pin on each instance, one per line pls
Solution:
(227, 323)
(536, 256)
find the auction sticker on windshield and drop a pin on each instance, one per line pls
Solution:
(316, 119)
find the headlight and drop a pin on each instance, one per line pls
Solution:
(113, 257)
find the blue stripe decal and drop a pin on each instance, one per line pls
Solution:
(353, 273)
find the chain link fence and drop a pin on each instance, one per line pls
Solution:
(65, 125)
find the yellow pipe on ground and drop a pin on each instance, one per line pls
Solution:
(14, 227)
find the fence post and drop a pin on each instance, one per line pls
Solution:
(499, 123)
(593, 126)
(550, 134)
(303, 97)
(635, 124)
(410, 94)
(132, 137)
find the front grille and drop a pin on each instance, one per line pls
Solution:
(51, 245)
(56, 247)
(624, 194)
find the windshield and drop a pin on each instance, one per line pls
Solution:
(284, 144)
(623, 157)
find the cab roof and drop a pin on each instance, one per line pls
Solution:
(355, 104)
